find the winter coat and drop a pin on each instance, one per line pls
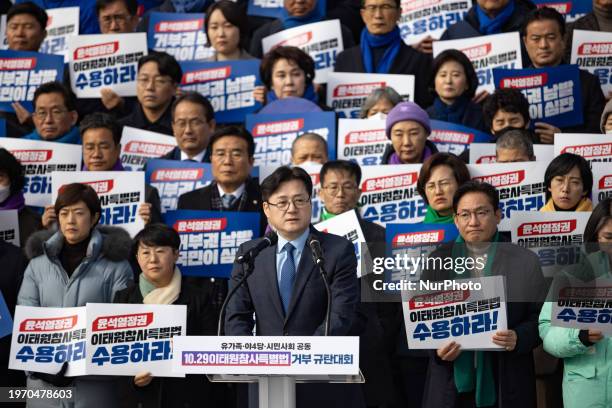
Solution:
(389, 151)
(102, 273)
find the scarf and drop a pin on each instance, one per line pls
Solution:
(480, 378)
(583, 205)
(309, 94)
(433, 217)
(14, 202)
(317, 14)
(394, 158)
(392, 41)
(72, 136)
(118, 166)
(152, 295)
(188, 6)
(326, 215)
(494, 25)
(452, 113)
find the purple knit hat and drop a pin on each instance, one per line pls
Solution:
(407, 111)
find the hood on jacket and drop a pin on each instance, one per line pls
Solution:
(604, 116)
(116, 242)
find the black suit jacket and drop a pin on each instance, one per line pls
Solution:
(175, 154)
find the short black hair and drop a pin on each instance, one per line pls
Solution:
(599, 217)
(101, 120)
(157, 234)
(473, 186)
(234, 14)
(544, 13)
(563, 164)
(56, 87)
(233, 130)
(460, 170)
(303, 61)
(198, 99)
(29, 8)
(73, 193)
(131, 5)
(350, 167)
(13, 169)
(166, 65)
(282, 175)
(509, 100)
(463, 60)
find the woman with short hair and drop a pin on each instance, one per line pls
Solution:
(569, 182)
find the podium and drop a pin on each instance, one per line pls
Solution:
(275, 363)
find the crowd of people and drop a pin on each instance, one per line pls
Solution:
(68, 258)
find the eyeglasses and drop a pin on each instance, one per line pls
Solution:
(298, 202)
(118, 18)
(234, 154)
(193, 123)
(335, 189)
(385, 8)
(55, 113)
(444, 185)
(465, 216)
(158, 81)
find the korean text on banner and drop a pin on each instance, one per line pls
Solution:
(105, 61)
(592, 50)
(322, 41)
(121, 193)
(228, 85)
(181, 35)
(362, 141)
(452, 138)
(346, 92)
(433, 318)
(39, 160)
(9, 226)
(594, 148)
(602, 182)
(265, 8)
(422, 18)
(487, 52)
(481, 153)
(22, 72)
(63, 22)
(570, 9)
(139, 146)
(210, 239)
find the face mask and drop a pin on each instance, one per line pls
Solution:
(379, 116)
(5, 192)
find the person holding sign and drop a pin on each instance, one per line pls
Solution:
(408, 127)
(80, 263)
(587, 363)
(225, 29)
(506, 108)
(309, 148)
(462, 378)
(454, 84)
(569, 182)
(379, 103)
(514, 145)
(157, 249)
(543, 33)
(383, 51)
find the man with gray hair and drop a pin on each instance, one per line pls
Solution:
(309, 147)
(514, 145)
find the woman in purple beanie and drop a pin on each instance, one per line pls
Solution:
(408, 127)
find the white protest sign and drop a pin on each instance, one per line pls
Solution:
(362, 140)
(602, 182)
(39, 160)
(520, 186)
(346, 225)
(593, 147)
(138, 146)
(127, 339)
(482, 153)
(487, 52)
(9, 226)
(105, 61)
(62, 23)
(121, 193)
(45, 337)
(322, 41)
(262, 355)
(436, 315)
(346, 92)
(422, 18)
(592, 50)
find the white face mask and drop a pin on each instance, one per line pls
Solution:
(379, 116)
(5, 192)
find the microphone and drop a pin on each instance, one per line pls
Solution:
(271, 238)
(317, 258)
(317, 253)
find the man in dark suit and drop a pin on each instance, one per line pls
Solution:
(285, 290)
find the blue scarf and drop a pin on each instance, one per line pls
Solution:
(317, 14)
(309, 93)
(494, 25)
(189, 6)
(72, 136)
(451, 113)
(392, 41)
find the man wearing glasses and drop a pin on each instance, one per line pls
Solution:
(285, 290)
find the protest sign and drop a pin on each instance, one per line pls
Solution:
(487, 52)
(469, 317)
(346, 225)
(181, 35)
(362, 140)
(265, 8)
(274, 134)
(39, 159)
(388, 194)
(105, 61)
(322, 41)
(422, 18)
(346, 92)
(452, 138)
(263, 355)
(128, 339)
(602, 182)
(22, 72)
(553, 93)
(594, 148)
(45, 337)
(9, 226)
(570, 9)
(592, 50)
(520, 186)
(121, 193)
(210, 239)
(228, 85)
(62, 23)
(138, 146)
(481, 153)
(6, 322)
